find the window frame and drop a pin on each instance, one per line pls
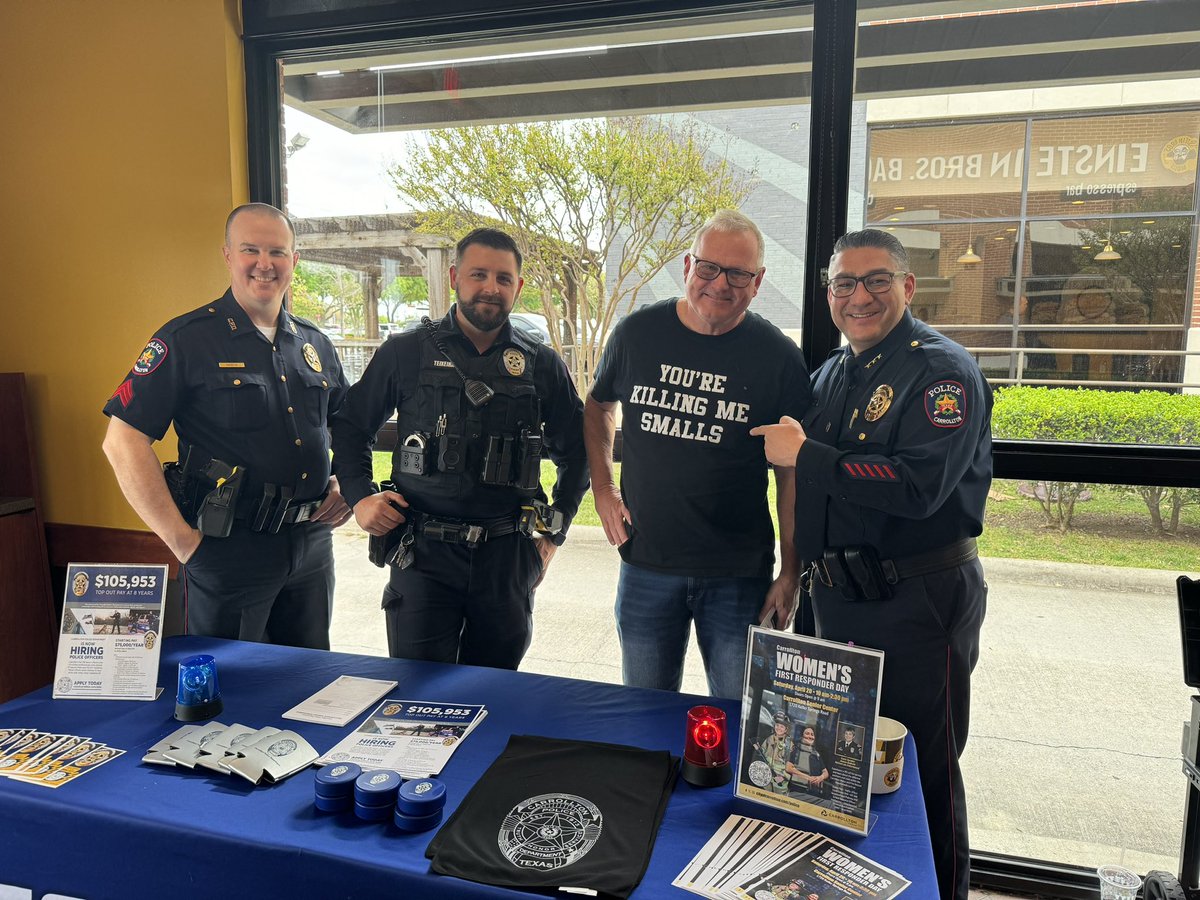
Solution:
(351, 26)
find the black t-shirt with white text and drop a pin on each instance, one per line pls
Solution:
(693, 478)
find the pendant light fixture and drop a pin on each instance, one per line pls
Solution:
(970, 258)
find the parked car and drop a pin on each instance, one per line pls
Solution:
(531, 326)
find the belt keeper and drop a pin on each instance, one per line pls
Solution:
(264, 508)
(286, 493)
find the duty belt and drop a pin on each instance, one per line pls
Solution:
(460, 531)
(274, 508)
(851, 568)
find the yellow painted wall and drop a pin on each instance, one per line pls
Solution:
(122, 149)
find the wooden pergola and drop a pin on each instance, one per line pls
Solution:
(376, 246)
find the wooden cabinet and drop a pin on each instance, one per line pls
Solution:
(27, 627)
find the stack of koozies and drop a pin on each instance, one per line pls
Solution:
(375, 794)
(380, 794)
(552, 813)
(257, 754)
(419, 804)
(334, 787)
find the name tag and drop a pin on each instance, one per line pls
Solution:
(222, 365)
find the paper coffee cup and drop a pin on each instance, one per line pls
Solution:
(888, 766)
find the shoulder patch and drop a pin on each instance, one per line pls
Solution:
(946, 404)
(151, 358)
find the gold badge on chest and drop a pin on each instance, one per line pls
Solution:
(514, 361)
(879, 403)
(310, 357)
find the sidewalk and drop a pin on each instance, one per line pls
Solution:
(1077, 707)
(574, 634)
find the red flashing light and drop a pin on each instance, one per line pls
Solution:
(707, 734)
(706, 756)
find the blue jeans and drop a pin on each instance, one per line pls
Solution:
(654, 616)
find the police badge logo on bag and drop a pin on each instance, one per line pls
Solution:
(946, 404)
(514, 361)
(150, 358)
(549, 831)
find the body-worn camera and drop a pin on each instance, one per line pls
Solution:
(451, 457)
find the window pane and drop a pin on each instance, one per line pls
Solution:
(1078, 695)
(945, 172)
(1038, 161)
(1101, 165)
(1109, 296)
(602, 151)
(1053, 237)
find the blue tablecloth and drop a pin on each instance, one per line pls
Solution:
(130, 830)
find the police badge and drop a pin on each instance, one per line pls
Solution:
(310, 357)
(514, 361)
(879, 403)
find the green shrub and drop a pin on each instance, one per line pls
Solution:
(1104, 417)
(1090, 415)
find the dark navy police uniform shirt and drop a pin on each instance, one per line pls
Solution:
(237, 396)
(899, 449)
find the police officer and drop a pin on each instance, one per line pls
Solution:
(849, 746)
(250, 504)
(477, 406)
(807, 769)
(893, 464)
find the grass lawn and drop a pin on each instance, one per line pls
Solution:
(1111, 529)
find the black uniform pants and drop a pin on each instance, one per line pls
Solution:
(929, 632)
(455, 604)
(256, 586)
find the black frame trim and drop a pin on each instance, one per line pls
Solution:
(834, 31)
(267, 44)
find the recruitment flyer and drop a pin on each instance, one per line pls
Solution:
(412, 737)
(808, 719)
(110, 633)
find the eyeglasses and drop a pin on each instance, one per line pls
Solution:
(875, 283)
(709, 271)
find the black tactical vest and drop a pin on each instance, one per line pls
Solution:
(487, 456)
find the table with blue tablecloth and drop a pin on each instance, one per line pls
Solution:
(131, 830)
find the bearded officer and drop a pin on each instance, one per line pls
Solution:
(893, 464)
(464, 526)
(248, 509)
